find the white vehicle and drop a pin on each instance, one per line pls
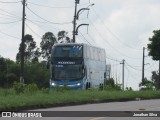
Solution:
(79, 66)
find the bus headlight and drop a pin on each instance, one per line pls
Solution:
(78, 84)
(53, 84)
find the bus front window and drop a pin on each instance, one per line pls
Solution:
(67, 51)
(67, 72)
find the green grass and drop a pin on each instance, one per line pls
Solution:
(10, 101)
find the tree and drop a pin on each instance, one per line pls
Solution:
(110, 82)
(63, 37)
(3, 68)
(36, 56)
(110, 85)
(9, 72)
(154, 49)
(48, 40)
(29, 49)
(129, 89)
(155, 78)
(37, 73)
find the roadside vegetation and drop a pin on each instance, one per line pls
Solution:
(23, 96)
(35, 92)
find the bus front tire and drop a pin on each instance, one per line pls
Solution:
(88, 85)
(101, 86)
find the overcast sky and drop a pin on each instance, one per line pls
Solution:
(122, 27)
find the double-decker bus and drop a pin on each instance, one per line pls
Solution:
(79, 66)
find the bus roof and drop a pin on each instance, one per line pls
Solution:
(67, 44)
(72, 44)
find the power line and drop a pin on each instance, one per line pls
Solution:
(85, 38)
(43, 22)
(107, 54)
(150, 66)
(113, 59)
(133, 67)
(42, 28)
(109, 43)
(13, 15)
(131, 72)
(47, 20)
(34, 22)
(8, 15)
(48, 6)
(9, 35)
(115, 36)
(10, 22)
(91, 38)
(10, 2)
(33, 30)
(79, 39)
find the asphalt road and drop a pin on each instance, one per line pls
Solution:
(123, 108)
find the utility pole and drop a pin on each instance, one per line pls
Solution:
(76, 16)
(143, 66)
(22, 44)
(74, 20)
(123, 74)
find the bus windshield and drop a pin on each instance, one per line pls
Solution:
(67, 51)
(67, 72)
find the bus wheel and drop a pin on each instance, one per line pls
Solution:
(101, 86)
(88, 85)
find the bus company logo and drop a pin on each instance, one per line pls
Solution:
(6, 114)
(21, 115)
(66, 62)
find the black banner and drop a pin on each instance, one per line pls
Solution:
(81, 114)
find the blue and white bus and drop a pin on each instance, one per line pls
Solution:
(79, 66)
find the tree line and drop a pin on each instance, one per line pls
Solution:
(35, 69)
(32, 53)
(35, 61)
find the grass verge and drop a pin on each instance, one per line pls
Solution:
(9, 101)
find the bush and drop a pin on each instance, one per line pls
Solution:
(108, 88)
(117, 87)
(57, 88)
(46, 90)
(31, 88)
(65, 87)
(62, 89)
(129, 89)
(19, 87)
(111, 88)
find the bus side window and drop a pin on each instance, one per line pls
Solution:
(98, 54)
(103, 55)
(93, 53)
(91, 50)
(88, 52)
